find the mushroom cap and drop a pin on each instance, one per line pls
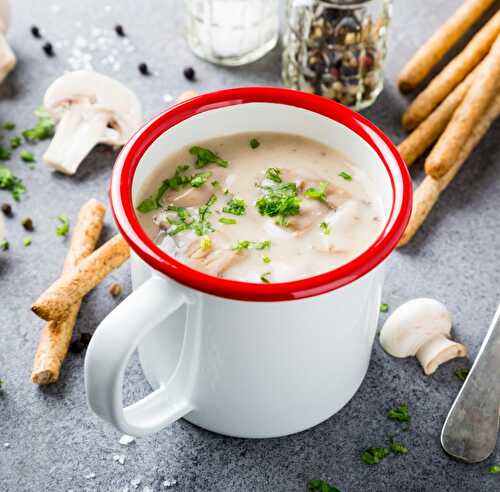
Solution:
(413, 324)
(104, 94)
(4, 16)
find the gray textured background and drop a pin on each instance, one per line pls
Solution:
(55, 442)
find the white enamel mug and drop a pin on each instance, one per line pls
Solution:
(237, 358)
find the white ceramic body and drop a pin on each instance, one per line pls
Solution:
(240, 367)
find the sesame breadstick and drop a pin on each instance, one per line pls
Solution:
(482, 91)
(427, 193)
(56, 335)
(452, 74)
(440, 43)
(69, 289)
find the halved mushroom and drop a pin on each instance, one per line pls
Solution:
(421, 327)
(91, 108)
(7, 57)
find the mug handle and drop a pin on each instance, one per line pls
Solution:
(110, 349)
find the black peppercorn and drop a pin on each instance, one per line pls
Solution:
(144, 69)
(189, 73)
(7, 209)
(27, 223)
(48, 49)
(119, 30)
(35, 31)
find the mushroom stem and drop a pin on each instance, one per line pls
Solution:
(7, 57)
(437, 351)
(78, 132)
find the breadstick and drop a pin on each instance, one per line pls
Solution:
(413, 146)
(440, 43)
(452, 74)
(57, 300)
(482, 91)
(428, 192)
(56, 335)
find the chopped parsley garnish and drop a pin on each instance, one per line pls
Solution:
(205, 243)
(27, 241)
(401, 413)
(494, 469)
(384, 307)
(320, 486)
(265, 277)
(254, 143)
(199, 179)
(317, 193)
(373, 456)
(15, 142)
(205, 157)
(4, 153)
(241, 245)
(27, 156)
(43, 129)
(11, 183)
(215, 184)
(273, 173)
(8, 125)
(325, 228)
(227, 220)
(202, 226)
(235, 206)
(266, 259)
(346, 176)
(63, 228)
(461, 373)
(4, 245)
(397, 448)
(280, 201)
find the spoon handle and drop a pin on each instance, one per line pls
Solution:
(470, 430)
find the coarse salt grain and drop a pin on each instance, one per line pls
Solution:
(120, 458)
(167, 484)
(90, 475)
(6, 444)
(125, 440)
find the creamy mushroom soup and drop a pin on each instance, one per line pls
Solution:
(263, 207)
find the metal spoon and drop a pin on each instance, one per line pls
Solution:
(471, 428)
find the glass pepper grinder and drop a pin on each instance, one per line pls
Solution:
(337, 48)
(232, 32)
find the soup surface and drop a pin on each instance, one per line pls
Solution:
(261, 207)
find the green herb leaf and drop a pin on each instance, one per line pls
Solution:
(265, 277)
(202, 226)
(325, 228)
(320, 486)
(227, 220)
(254, 143)
(317, 193)
(43, 129)
(384, 307)
(397, 448)
(401, 413)
(280, 201)
(12, 183)
(266, 259)
(274, 174)
(373, 456)
(346, 176)
(240, 245)
(63, 229)
(215, 184)
(263, 245)
(235, 206)
(15, 142)
(206, 243)
(5, 153)
(494, 469)
(8, 125)
(27, 156)
(27, 241)
(205, 157)
(147, 205)
(200, 179)
(461, 373)
(4, 245)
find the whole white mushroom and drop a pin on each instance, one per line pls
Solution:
(7, 57)
(421, 328)
(91, 108)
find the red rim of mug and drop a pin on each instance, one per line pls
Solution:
(129, 226)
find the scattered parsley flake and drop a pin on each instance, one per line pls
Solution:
(43, 129)
(346, 176)
(266, 259)
(215, 184)
(12, 183)
(27, 156)
(397, 448)
(227, 220)
(401, 413)
(273, 173)
(320, 486)
(235, 206)
(325, 228)
(461, 373)
(63, 228)
(27, 241)
(254, 143)
(495, 469)
(280, 201)
(205, 157)
(205, 243)
(15, 142)
(199, 179)
(4, 245)
(8, 125)
(317, 193)
(241, 245)
(265, 277)
(384, 307)
(5, 153)
(373, 456)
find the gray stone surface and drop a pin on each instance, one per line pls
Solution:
(55, 442)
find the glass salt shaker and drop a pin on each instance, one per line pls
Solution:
(232, 32)
(337, 48)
